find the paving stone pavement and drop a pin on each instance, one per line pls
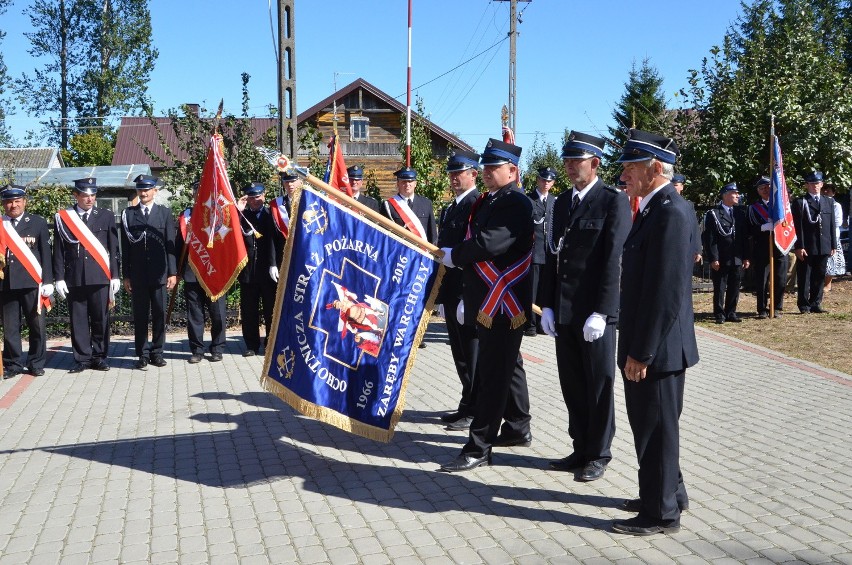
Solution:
(196, 464)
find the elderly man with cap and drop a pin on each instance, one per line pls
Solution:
(726, 247)
(579, 299)
(150, 268)
(497, 301)
(816, 241)
(409, 210)
(27, 283)
(656, 330)
(197, 300)
(763, 243)
(85, 266)
(678, 182)
(463, 168)
(542, 210)
(259, 278)
(356, 181)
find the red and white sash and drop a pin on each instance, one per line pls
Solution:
(409, 218)
(280, 215)
(21, 250)
(183, 223)
(86, 238)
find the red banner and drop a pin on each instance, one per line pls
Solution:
(335, 173)
(216, 250)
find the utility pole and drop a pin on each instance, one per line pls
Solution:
(513, 34)
(287, 117)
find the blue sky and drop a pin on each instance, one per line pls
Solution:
(572, 57)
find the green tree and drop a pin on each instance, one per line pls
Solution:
(5, 106)
(783, 58)
(90, 149)
(97, 59)
(544, 154)
(193, 131)
(642, 106)
(432, 180)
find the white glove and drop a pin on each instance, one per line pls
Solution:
(441, 310)
(548, 322)
(767, 226)
(447, 259)
(46, 290)
(460, 312)
(594, 327)
(61, 288)
(273, 273)
(114, 285)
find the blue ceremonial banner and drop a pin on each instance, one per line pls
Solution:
(352, 307)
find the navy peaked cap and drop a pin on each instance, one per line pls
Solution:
(12, 191)
(406, 173)
(547, 173)
(643, 145)
(86, 186)
(355, 172)
(254, 189)
(145, 182)
(462, 160)
(814, 176)
(499, 153)
(678, 178)
(762, 181)
(582, 146)
(288, 176)
(730, 187)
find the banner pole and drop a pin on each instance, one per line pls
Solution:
(771, 238)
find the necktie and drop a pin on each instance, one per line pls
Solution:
(575, 202)
(410, 202)
(145, 212)
(15, 222)
(86, 218)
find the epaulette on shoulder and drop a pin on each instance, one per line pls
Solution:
(611, 189)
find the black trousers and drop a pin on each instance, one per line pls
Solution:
(810, 277)
(17, 303)
(726, 289)
(87, 307)
(251, 297)
(197, 302)
(761, 272)
(587, 376)
(149, 306)
(535, 277)
(501, 389)
(654, 405)
(464, 346)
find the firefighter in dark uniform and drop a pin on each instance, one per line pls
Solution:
(656, 330)
(150, 268)
(579, 300)
(80, 276)
(197, 302)
(406, 202)
(463, 168)
(497, 255)
(762, 236)
(726, 248)
(258, 279)
(542, 202)
(816, 241)
(20, 293)
(356, 181)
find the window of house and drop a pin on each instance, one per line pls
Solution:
(359, 129)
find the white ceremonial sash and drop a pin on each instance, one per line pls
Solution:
(22, 251)
(86, 238)
(409, 218)
(281, 215)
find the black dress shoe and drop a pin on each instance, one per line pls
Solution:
(571, 463)
(100, 365)
(78, 368)
(593, 471)
(158, 361)
(142, 363)
(462, 424)
(215, 357)
(10, 374)
(818, 310)
(530, 332)
(466, 463)
(635, 505)
(195, 358)
(778, 313)
(734, 318)
(248, 353)
(720, 320)
(452, 417)
(641, 526)
(762, 315)
(517, 441)
(804, 310)
(36, 372)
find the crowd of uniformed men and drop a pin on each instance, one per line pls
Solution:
(589, 261)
